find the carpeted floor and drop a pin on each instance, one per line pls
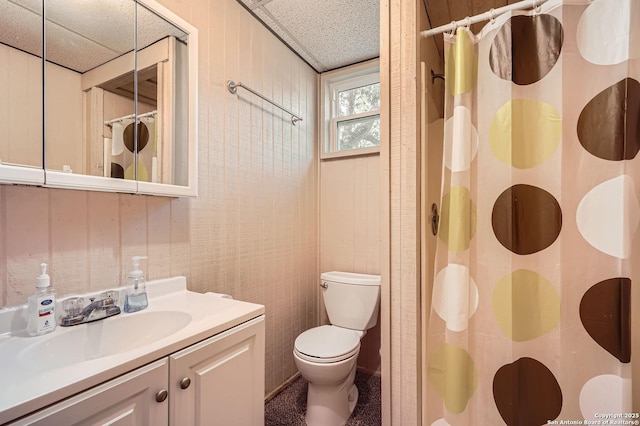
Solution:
(289, 406)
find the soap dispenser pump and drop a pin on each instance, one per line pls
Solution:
(42, 306)
(136, 298)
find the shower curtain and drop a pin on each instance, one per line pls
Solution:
(537, 250)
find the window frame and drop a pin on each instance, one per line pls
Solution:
(332, 83)
(343, 86)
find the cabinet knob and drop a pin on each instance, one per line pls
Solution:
(162, 395)
(184, 383)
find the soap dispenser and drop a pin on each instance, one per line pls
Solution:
(136, 298)
(42, 305)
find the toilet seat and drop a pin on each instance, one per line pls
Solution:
(327, 344)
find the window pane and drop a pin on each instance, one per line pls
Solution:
(360, 99)
(359, 133)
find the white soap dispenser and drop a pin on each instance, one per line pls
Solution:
(136, 298)
(42, 306)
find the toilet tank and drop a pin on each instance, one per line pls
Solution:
(351, 300)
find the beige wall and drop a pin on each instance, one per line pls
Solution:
(21, 93)
(21, 109)
(349, 214)
(350, 229)
(64, 145)
(252, 230)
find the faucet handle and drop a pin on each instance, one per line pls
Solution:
(109, 298)
(73, 306)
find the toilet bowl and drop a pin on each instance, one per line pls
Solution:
(326, 356)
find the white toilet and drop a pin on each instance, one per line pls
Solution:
(326, 356)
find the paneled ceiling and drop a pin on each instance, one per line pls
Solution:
(335, 33)
(327, 34)
(75, 39)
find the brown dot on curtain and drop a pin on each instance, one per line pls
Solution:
(526, 393)
(526, 219)
(143, 137)
(609, 125)
(605, 312)
(526, 48)
(117, 171)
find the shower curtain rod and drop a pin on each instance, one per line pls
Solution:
(146, 114)
(491, 14)
(232, 86)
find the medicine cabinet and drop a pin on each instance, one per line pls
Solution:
(98, 95)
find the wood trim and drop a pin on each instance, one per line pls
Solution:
(166, 118)
(385, 215)
(94, 128)
(351, 153)
(157, 52)
(404, 208)
(424, 239)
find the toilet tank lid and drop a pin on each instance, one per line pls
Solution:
(350, 278)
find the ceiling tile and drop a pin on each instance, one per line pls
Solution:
(329, 34)
(75, 39)
(285, 36)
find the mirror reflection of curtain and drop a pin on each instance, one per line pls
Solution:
(147, 148)
(124, 149)
(118, 155)
(531, 307)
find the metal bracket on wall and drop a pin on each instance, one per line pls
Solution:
(435, 219)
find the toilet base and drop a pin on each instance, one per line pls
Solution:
(331, 405)
(353, 398)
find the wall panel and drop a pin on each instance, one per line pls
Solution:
(350, 229)
(252, 231)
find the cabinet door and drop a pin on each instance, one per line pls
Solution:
(129, 400)
(226, 375)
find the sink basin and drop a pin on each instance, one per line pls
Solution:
(49, 368)
(121, 333)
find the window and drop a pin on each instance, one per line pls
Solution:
(351, 112)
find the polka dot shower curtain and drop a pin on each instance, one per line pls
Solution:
(531, 306)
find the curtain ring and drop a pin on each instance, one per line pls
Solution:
(492, 16)
(453, 27)
(467, 21)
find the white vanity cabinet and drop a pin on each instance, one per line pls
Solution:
(127, 400)
(218, 381)
(222, 377)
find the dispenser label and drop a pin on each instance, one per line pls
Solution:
(46, 311)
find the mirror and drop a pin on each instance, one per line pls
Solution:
(162, 99)
(21, 105)
(119, 86)
(82, 55)
(119, 95)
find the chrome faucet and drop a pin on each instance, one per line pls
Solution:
(76, 313)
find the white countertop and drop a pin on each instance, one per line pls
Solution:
(27, 386)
